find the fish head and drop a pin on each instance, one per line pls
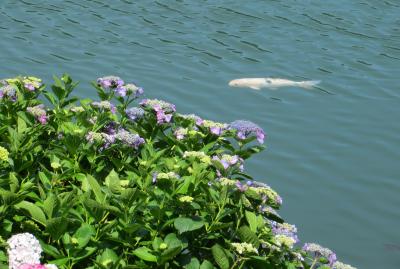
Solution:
(235, 83)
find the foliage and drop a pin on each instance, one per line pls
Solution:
(111, 186)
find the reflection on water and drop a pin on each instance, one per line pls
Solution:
(332, 152)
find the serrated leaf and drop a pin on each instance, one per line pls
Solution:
(21, 125)
(251, 220)
(206, 265)
(108, 257)
(112, 182)
(56, 227)
(8, 197)
(193, 264)
(83, 234)
(49, 205)
(95, 186)
(50, 250)
(34, 211)
(144, 253)
(220, 257)
(187, 224)
(247, 235)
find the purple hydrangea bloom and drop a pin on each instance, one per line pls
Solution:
(132, 89)
(320, 251)
(111, 128)
(130, 139)
(110, 82)
(229, 161)
(8, 92)
(286, 229)
(215, 128)
(120, 91)
(246, 128)
(105, 105)
(241, 187)
(39, 113)
(29, 86)
(196, 119)
(164, 110)
(134, 113)
(180, 133)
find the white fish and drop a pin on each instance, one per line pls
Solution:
(271, 83)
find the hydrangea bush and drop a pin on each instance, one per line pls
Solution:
(127, 183)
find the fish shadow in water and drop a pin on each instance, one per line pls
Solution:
(392, 247)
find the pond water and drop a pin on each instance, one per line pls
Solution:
(333, 152)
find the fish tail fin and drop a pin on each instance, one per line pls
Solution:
(309, 84)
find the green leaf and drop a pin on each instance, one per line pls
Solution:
(184, 187)
(206, 265)
(112, 182)
(8, 197)
(174, 247)
(56, 227)
(49, 204)
(21, 125)
(193, 264)
(144, 254)
(248, 236)
(34, 211)
(50, 250)
(95, 186)
(83, 234)
(187, 224)
(220, 256)
(251, 220)
(45, 180)
(108, 257)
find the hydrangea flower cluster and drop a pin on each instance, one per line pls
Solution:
(319, 251)
(200, 155)
(265, 192)
(111, 136)
(118, 86)
(130, 139)
(134, 113)
(244, 248)
(168, 176)
(30, 83)
(77, 109)
(227, 182)
(105, 106)
(216, 128)
(3, 154)
(285, 233)
(23, 249)
(340, 265)
(229, 161)
(267, 209)
(8, 92)
(192, 117)
(131, 89)
(186, 199)
(180, 133)
(245, 129)
(39, 113)
(38, 266)
(164, 110)
(110, 82)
